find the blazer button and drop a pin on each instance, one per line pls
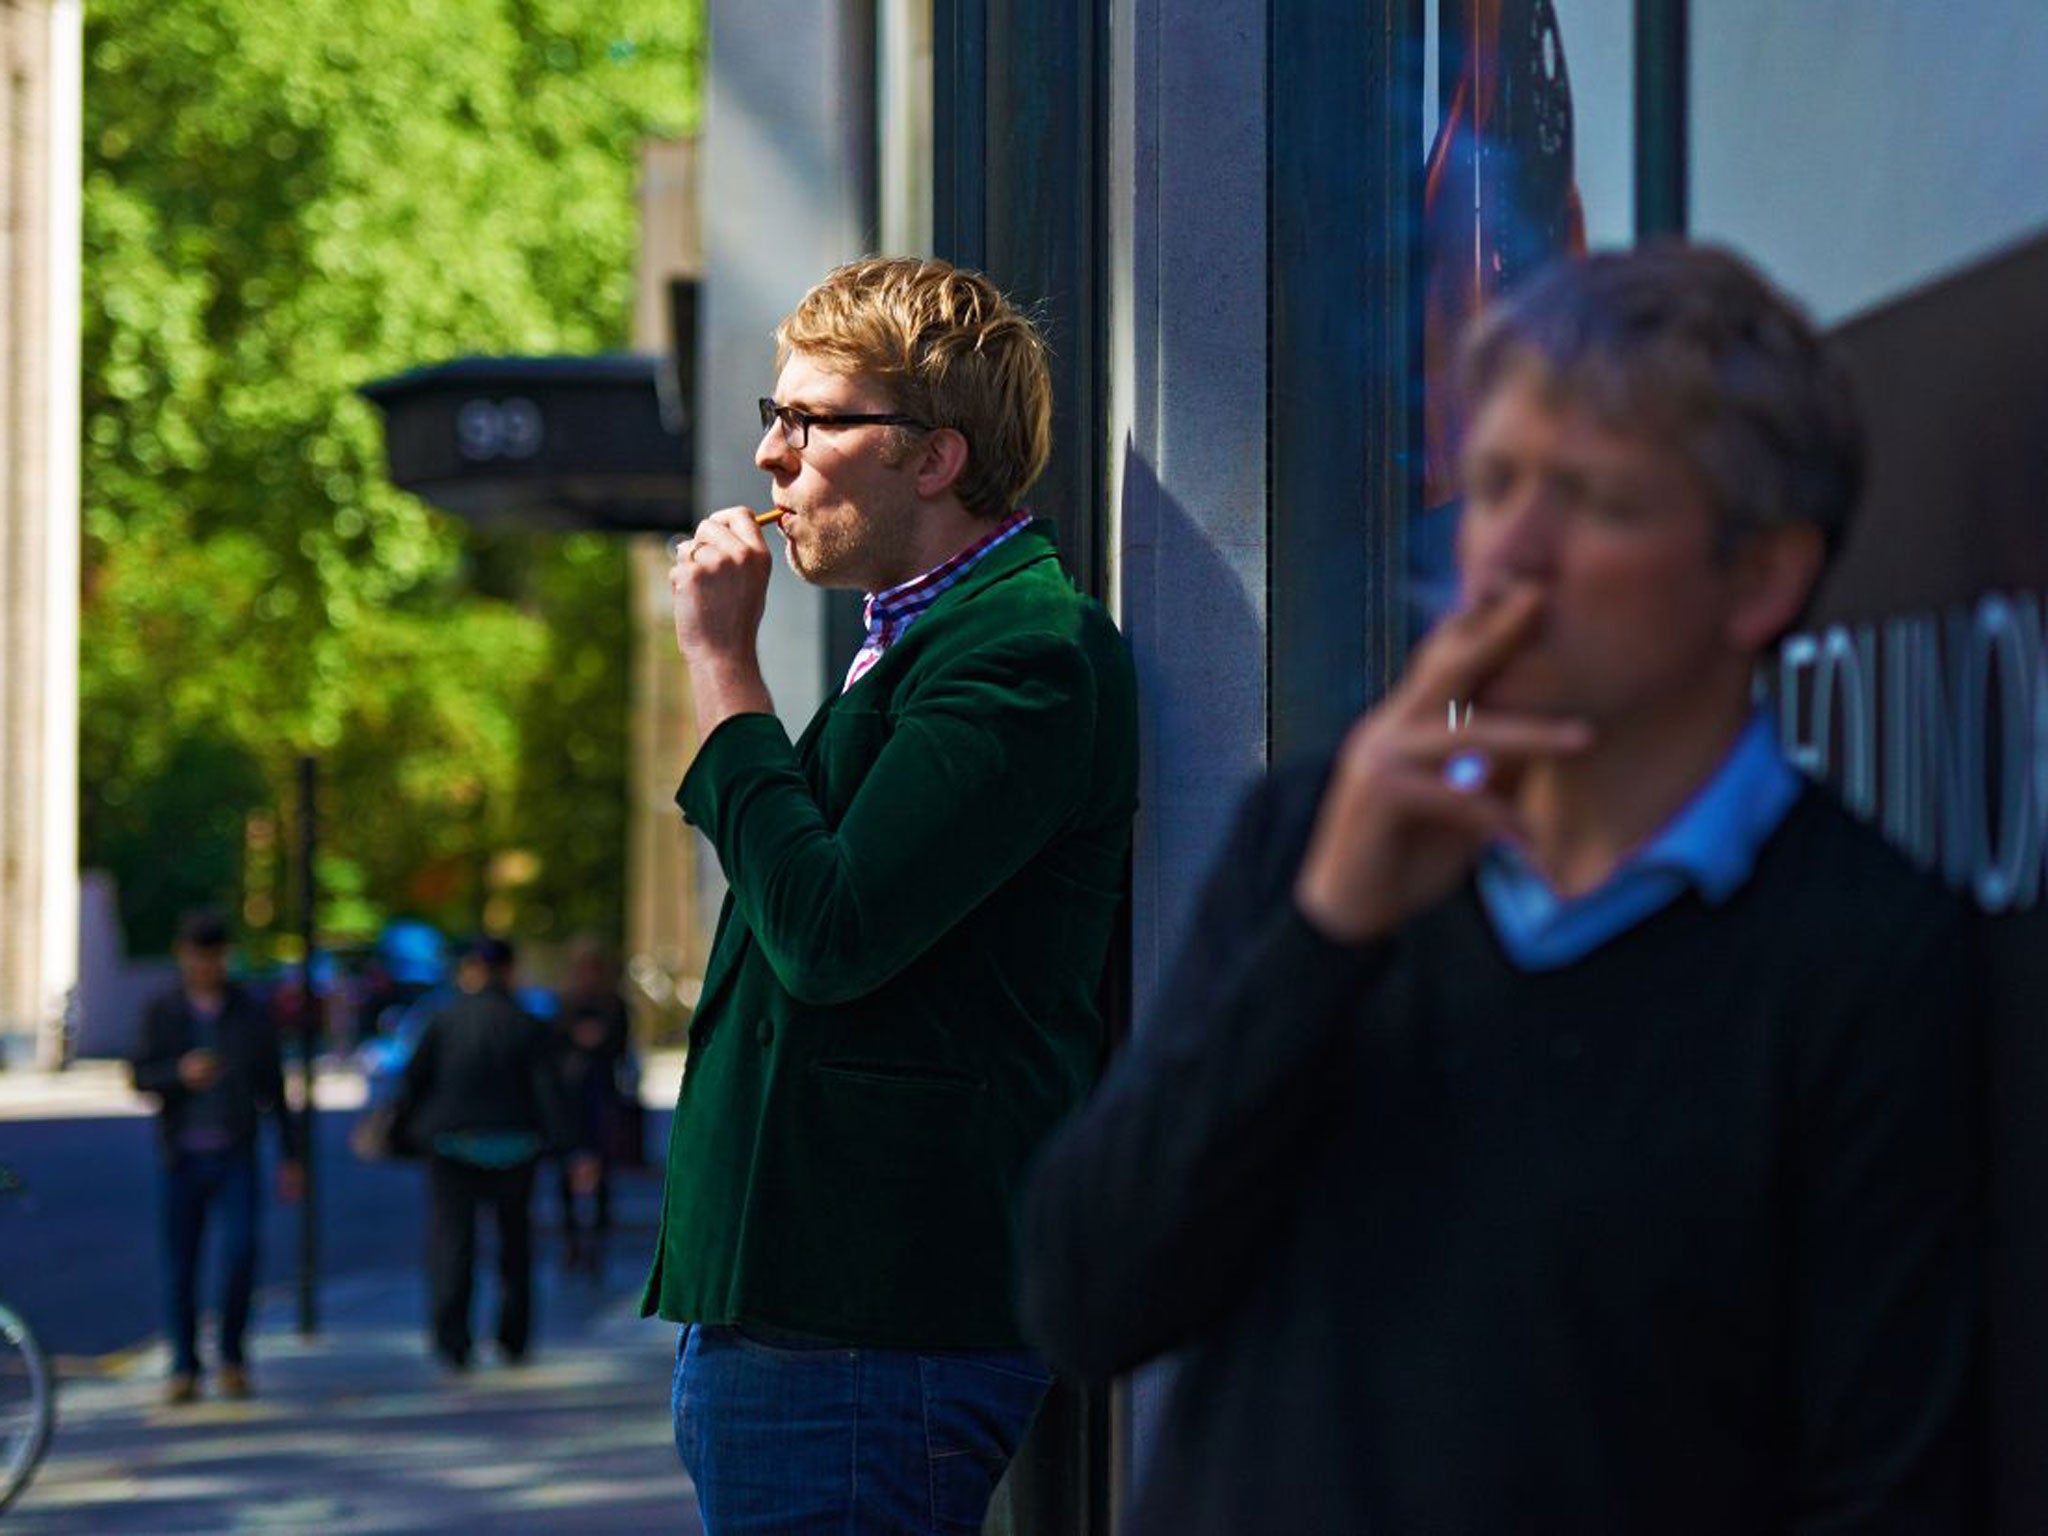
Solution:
(765, 1032)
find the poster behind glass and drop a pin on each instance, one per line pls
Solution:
(1529, 126)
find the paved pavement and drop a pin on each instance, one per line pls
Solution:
(99, 1089)
(357, 1430)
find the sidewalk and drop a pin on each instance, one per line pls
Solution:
(99, 1089)
(358, 1431)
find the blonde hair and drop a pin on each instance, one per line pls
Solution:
(950, 350)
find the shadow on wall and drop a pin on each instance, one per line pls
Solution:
(1200, 646)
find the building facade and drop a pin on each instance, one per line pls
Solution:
(1255, 227)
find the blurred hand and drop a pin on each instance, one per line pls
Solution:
(585, 1172)
(199, 1069)
(291, 1181)
(1394, 834)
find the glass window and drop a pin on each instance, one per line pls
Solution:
(1902, 199)
(1922, 153)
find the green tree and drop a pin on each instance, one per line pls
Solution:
(281, 203)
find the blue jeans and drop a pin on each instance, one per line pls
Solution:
(197, 1185)
(834, 1441)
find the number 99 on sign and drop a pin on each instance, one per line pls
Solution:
(498, 429)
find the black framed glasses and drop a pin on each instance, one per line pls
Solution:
(797, 424)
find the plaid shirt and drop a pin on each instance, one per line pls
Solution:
(890, 613)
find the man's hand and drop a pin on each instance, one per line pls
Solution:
(586, 1172)
(720, 583)
(199, 1069)
(1395, 834)
(291, 1181)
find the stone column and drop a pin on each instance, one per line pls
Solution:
(40, 93)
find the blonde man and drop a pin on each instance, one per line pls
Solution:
(900, 1001)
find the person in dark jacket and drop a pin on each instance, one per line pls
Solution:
(208, 1053)
(1562, 1117)
(480, 1099)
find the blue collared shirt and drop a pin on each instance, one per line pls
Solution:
(1710, 845)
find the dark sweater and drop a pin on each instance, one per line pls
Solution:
(1677, 1238)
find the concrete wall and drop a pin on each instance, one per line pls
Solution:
(788, 171)
(786, 192)
(1188, 413)
(1187, 392)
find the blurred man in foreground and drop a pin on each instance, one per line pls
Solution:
(1562, 1117)
(209, 1055)
(900, 1001)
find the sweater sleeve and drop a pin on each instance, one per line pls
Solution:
(984, 764)
(1886, 1237)
(1147, 1212)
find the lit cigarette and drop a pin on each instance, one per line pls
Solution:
(1465, 772)
(678, 542)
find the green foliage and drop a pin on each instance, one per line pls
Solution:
(281, 203)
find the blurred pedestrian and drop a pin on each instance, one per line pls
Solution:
(480, 1099)
(1562, 1116)
(594, 1050)
(209, 1054)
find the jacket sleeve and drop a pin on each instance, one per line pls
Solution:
(1887, 1239)
(154, 1066)
(415, 1087)
(986, 761)
(1147, 1213)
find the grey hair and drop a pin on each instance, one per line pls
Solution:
(1691, 345)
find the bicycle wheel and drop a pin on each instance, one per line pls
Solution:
(28, 1404)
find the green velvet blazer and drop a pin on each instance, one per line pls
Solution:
(901, 998)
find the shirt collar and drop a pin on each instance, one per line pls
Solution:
(1714, 840)
(1712, 844)
(909, 597)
